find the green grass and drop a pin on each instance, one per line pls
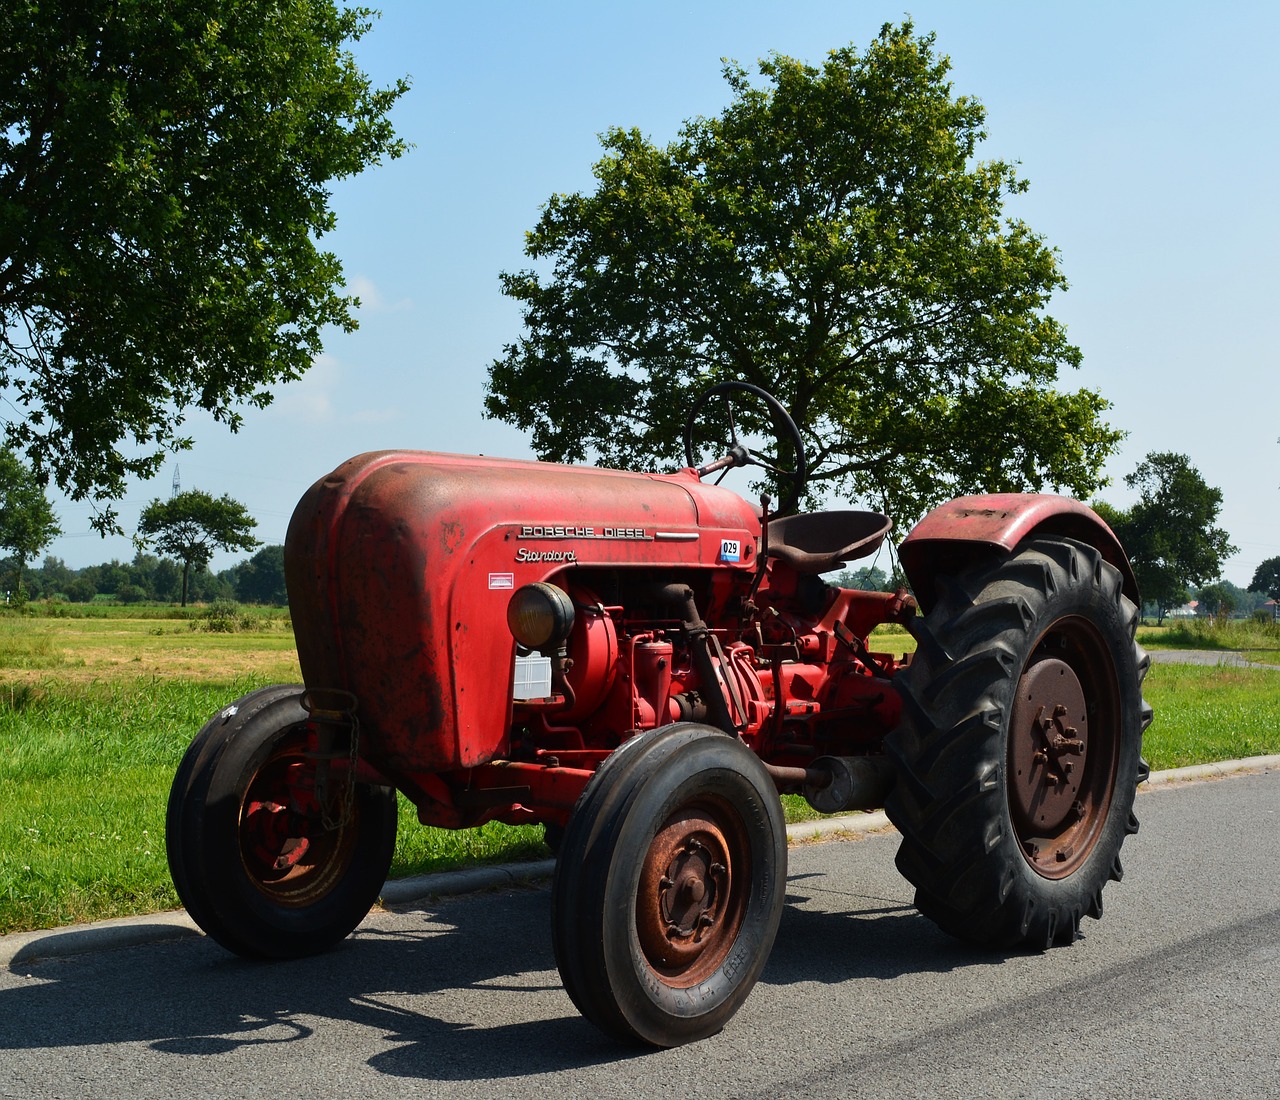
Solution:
(63, 609)
(1259, 642)
(1204, 714)
(84, 772)
(83, 650)
(96, 713)
(423, 850)
(25, 649)
(84, 778)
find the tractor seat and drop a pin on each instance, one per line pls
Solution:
(818, 542)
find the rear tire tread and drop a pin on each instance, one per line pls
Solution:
(950, 803)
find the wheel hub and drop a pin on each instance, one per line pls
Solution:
(685, 917)
(1048, 749)
(688, 892)
(288, 852)
(269, 831)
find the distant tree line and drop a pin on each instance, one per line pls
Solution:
(1226, 600)
(148, 578)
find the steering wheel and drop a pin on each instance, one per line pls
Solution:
(736, 453)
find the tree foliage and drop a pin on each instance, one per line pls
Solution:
(148, 577)
(163, 185)
(1266, 579)
(191, 525)
(1170, 534)
(27, 520)
(866, 578)
(831, 238)
(261, 578)
(156, 579)
(1219, 599)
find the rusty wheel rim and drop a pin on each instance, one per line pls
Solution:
(1063, 751)
(690, 902)
(288, 853)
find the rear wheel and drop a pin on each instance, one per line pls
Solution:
(669, 887)
(259, 863)
(1019, 750)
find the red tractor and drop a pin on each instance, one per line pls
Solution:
(643, 663)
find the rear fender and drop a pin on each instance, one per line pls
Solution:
(965, 530)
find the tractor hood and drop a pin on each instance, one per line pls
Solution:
(400, 565)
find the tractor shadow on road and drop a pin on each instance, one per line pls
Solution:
(461, 990)
(465, 989)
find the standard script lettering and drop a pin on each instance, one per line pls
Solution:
(546, 555)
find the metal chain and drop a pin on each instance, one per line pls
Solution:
(346, 718)
(349, 792)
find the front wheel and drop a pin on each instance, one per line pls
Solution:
(259, 863)
(1018, 754)
(669, 887)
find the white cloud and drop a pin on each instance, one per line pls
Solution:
(323, 397)
(372, 299)
(309, 399)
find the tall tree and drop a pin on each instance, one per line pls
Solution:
(54, 575)
(831, 238)
(1266, 579)
(190, 526)
(27, 520)
(1170, 534)
(1219, 599)
(164, 172)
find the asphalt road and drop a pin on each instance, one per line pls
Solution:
(1173, 994)
(1226, 658)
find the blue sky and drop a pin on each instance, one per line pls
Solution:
(1148, 132)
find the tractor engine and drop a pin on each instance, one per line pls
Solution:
(631, 663)
(787, 675)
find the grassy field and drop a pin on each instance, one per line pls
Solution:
(1259, 642)
(96, 711)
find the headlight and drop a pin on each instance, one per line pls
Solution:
(540, 614)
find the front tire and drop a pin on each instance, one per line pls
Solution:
(258, 863)
(669, 887)
(1019, 750)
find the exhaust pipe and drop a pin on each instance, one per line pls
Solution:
(836, 784)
